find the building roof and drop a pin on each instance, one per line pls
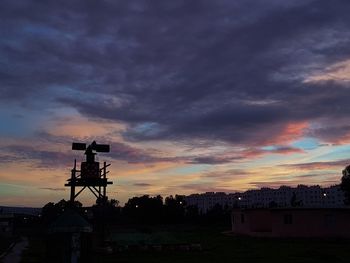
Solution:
(70, 222)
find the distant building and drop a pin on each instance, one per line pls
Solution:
(20, 210)
(291, 222)
(304, 196)
(208, 200)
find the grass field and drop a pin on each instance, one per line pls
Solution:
(5, 242)
(218, 247)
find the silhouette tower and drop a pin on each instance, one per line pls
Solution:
(90, 175)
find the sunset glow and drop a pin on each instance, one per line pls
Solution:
(210, 105)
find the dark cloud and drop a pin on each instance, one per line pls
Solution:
(335, 132)
(205, 187)
(339, 164)
(277, 149)
(5, 158)
(46, 158)
(52, 159)
(122, 151)
(227, 175)
(211, 70)
(308, 176)
(43, 158)
(53, 189)
(284, 150)
(214, 159)
(142, 184)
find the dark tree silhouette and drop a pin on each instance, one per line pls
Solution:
(107, 211)
(192, 214)
(345, 184)
(50, 211)
(144, 209)
(114, 203)
(174, 209)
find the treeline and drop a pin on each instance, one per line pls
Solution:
(143, 210)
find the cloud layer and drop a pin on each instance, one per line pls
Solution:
(206, 84)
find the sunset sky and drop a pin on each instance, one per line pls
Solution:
(192, 95)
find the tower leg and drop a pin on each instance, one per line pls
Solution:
(72, 193)
(72, 188)
(104, 178)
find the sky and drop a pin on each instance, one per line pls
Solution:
(192, 95)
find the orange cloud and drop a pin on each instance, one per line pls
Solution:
(292, 131)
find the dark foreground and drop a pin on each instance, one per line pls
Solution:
(217, 246)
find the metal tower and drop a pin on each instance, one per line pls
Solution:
(90, 175)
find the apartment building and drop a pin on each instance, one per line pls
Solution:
(285, 196)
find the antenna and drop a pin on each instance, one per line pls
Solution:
(103, 148)
(78, 146)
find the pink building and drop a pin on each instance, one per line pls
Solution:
(292, 222)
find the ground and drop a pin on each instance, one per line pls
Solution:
(220, 247)
(5, 243)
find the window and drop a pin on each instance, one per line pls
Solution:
(288, 219)
(242, 218)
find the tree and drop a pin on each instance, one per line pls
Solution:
(114, 203)
(51, 211)
(192, 213)
(106, 211)
(174, 208)
(345, 184)
(144, 209)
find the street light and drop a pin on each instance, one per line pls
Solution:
(324, 199)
